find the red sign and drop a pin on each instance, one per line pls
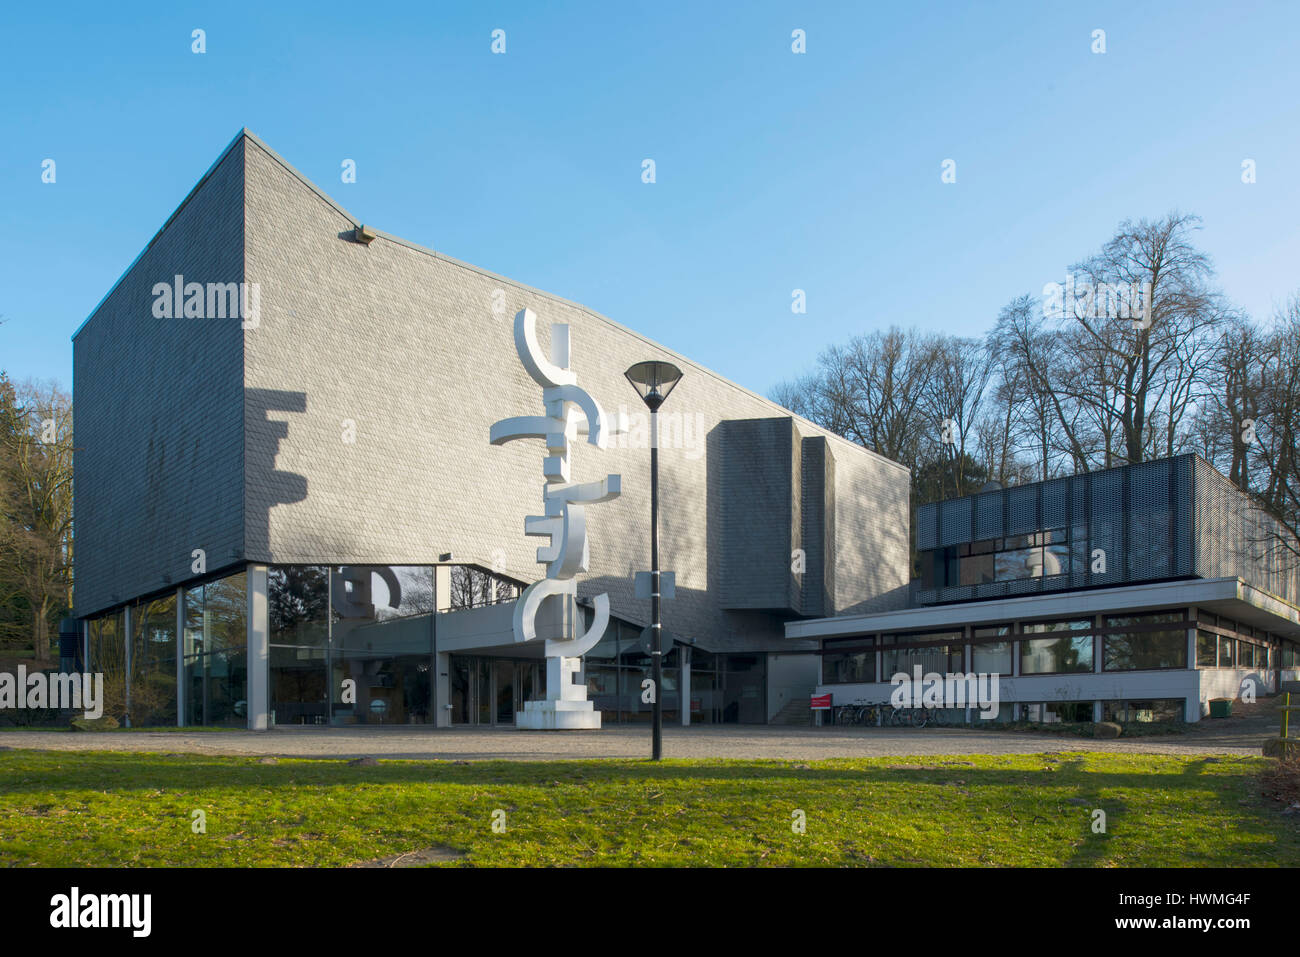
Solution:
(821, 702)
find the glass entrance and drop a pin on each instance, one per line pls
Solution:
(487, 692)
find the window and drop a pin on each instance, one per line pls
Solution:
(1207, 649)
(1227, 649)
(1055, 712)
(991, 657)
(1036, 555)
(977, 562)
(108, 657)
(153, 662)
(1151, 711)
(901, 654)
(1064, 652)
(216, 652)
(845, 667)
(1147, 646)
(1248, 655)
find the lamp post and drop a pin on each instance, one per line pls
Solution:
(653, 381)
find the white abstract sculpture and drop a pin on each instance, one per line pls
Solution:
(549, 606)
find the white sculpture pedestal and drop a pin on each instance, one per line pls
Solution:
(565, 707)
(551, 715)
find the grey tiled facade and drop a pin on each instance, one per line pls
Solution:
(195, 433)
(159, 456)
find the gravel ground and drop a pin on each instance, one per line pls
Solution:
(1236, 736)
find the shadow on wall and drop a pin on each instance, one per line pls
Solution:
(266, 486)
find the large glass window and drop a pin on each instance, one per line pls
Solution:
(636, 667)
(1290, 654)
(1060, 651)
(744, 700)
(902, 654)
(381, 646)
(1146, 712)
(473, 587)
(1207, 649)
(298, 606)
(991, 657)
(846, 667)
(1227, 652)
(977, 565)
(1247, 654)
(1148, 646)
(153, 663)
(1055, 712)
(1037, 555)
(216, 652)
(108, 657)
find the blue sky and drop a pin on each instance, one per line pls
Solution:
(775, 171)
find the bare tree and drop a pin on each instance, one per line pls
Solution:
(35, 512)
(1151, 358)
(871, 391)
(955, 395)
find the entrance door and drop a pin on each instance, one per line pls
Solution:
(505, 691)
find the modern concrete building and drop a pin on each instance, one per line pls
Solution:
(1134, 593)
(288, 509)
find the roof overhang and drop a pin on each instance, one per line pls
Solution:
(1230, 597)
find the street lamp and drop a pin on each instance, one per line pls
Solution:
(653, 381)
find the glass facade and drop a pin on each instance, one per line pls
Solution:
(992, 656)
(153, 663)
(298, 606)
(108, 656)
(1119, 525)
(381, 644)
(216, 652)
(1055, 712)
(489, 691)
(351, 644)
(1061, 653)
(1150, 711)
(846, 667)
(902, 654)
(1149, 645)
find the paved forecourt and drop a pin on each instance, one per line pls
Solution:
(777, 743)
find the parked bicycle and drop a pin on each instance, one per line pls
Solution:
(860, 712)
(883, 715)
(906, 717)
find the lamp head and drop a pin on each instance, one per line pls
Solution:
(653, 380)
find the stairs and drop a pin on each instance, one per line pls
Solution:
(795, 713)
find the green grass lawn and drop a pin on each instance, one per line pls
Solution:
(106, 809)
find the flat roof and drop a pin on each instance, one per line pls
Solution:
(1232, 597)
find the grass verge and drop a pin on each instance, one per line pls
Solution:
(114, 809)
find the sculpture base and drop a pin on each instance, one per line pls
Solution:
(551, 715)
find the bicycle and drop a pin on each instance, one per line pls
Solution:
(860, 712)
(907, 717)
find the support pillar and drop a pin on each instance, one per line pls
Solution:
(684, 682)
(128, 627)
(180, 658)
(259, 650)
